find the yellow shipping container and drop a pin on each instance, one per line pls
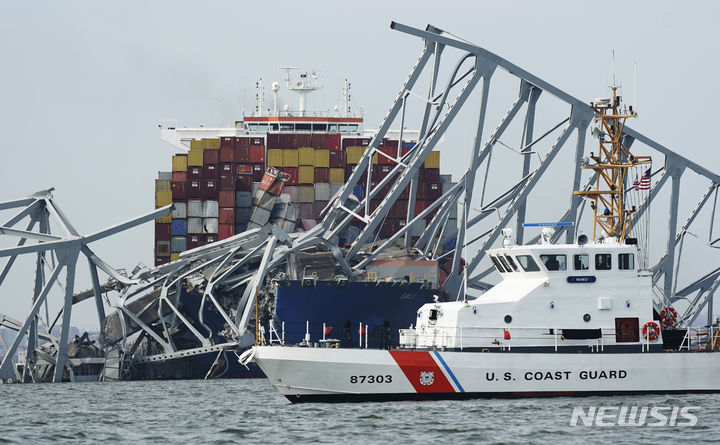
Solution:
(322, 158)
(433, 160)
(179, 163)
(197, 144)
(164, 219)
(306, 174)
(162, 184)
(275, 157)
(337, 175)
(163, 198)
(290, 158)
(306, 156)
(211, 144)
(195, 158)
(354, 154)
(174, 256)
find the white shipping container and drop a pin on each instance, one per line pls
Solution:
(180, 211)
(445, 178)
(194, 208)
(210, 225)
(447, 186)
(292, 191)
(322, 191)
(418, 228)
(210, 209)
(292, 212)
(243, 199)
(165, 176)
(256, 187)
(284, 197)
(334, 188)
(260, 216)
(194, 225)
(288, 226)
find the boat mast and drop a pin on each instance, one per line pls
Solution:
(611, 165)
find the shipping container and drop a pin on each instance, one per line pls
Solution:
(162, 248)
(433, 160)
(306, 156)
(178, 244)
(321, 174)
(226, 198)
(180, 210)
(243, 198)
(432, 175)
(212, 143)
(420, 206)
(306, 193)
(243, 142)
(227, 141)
(178, 227)
(228, 181)
(179, 163)
(390, 154)
(322, 191)
(322, 158)
(194, 208)
(167, 176)
(242, 154)
(336, 176)
(179, 191)
(257, 154)
(244, 182)
(194, 225)
(275, 157)
(318, 207)
(209, 188)
(290, 157)
(167, 219)
(194, 173)
(433, 191)
(306, 210)
(162, 184)
(163, 198)
(163, 231)
(334, 188)
(209, 238)
(332, 142)
(194, 240)
(225, 231)
(273, 141)
(319, 141)
(179, 176)
(195, 158)
(292, 191)
(303, 140)
(210, 209)
(336, 159)
(265, 199)
(226, 215)
(292, 173)
(210, 225)
(353, 154)
(242, 214)
(228, 169)
(210, 171)
(174, 257)
(446, 186)
(211, 156)
(260, 216)
(258, 172)
(358, 192)
(227, 155)
(306, 174)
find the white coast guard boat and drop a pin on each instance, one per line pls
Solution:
(571, 319)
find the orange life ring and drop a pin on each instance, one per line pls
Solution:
(651, 330)
(668, 316)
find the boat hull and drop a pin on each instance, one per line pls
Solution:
(348, 375)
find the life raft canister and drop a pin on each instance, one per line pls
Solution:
(668, 316)
(650, 330)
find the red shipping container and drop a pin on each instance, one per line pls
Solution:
(193, 241)
(209, 188)
(160, 260)
(209, 238)
(405, 150)
(193, 189)
(258, 172)
(242, 142)
(419, 207)
(349, 171)
(227, 181)
(379, 172)
(273, 141)
(421, 190)
(194, 172)
(432, 213)
(399, 209)
(405, 194)
(243, 183)
(388, 228)
(227, 141)
(332, 142)
(257, 154)
(292, 172)
(243, 169)
(322, 174)
(226, 231)
(179, 190)
(302, 140)
(242, 153)
(226, 198)
(226, 215)
(390, 151)
(337, 159)
(227, 154)
(162, 231)
(179, 176)
(257, 141)
(288, 141)
(210, 171)
(229, 169)
(432, 175)
(433, 191)
(211, 156)
(318, 141)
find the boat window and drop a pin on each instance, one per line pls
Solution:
(287, 127)
(582, 262)
(302, 127)
(319, 127)
(553, 262)
(511, 262)
(332, 128)
(603, 261)
(627, 330)
(504, 263)
(274, 127)
(497, 264)
(626, 261)
(528, 263)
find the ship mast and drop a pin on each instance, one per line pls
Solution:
(611, 165)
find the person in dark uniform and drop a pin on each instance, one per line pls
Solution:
(347, 341)
(385, 336)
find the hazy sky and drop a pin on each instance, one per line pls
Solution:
(83, 85)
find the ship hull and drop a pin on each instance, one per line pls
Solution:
(353, 375)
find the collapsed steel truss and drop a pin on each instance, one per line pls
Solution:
(244, 263)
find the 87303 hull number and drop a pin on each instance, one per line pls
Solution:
(371, 378)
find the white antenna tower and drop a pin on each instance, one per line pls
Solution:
(303, 87)
(259, 96)
(346, 99)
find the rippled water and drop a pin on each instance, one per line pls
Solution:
(231, 411)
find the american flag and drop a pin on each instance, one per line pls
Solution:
(644, 181)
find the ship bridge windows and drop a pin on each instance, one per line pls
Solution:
(346, 128)
(332, 128)
(497, 264)
(626, 261)
(528, 263)
(581, 262)
(603, 261)
(511, 262)
(302, 127)
(506, 266)
(287, 127)
(554, 262)
(319, 127)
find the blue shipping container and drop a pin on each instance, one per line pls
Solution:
(178, 227)
(358, 192)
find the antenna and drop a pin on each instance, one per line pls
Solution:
(259, 96)
(613, 68)
(635, 104)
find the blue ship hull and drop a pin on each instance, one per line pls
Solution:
(328, 302)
